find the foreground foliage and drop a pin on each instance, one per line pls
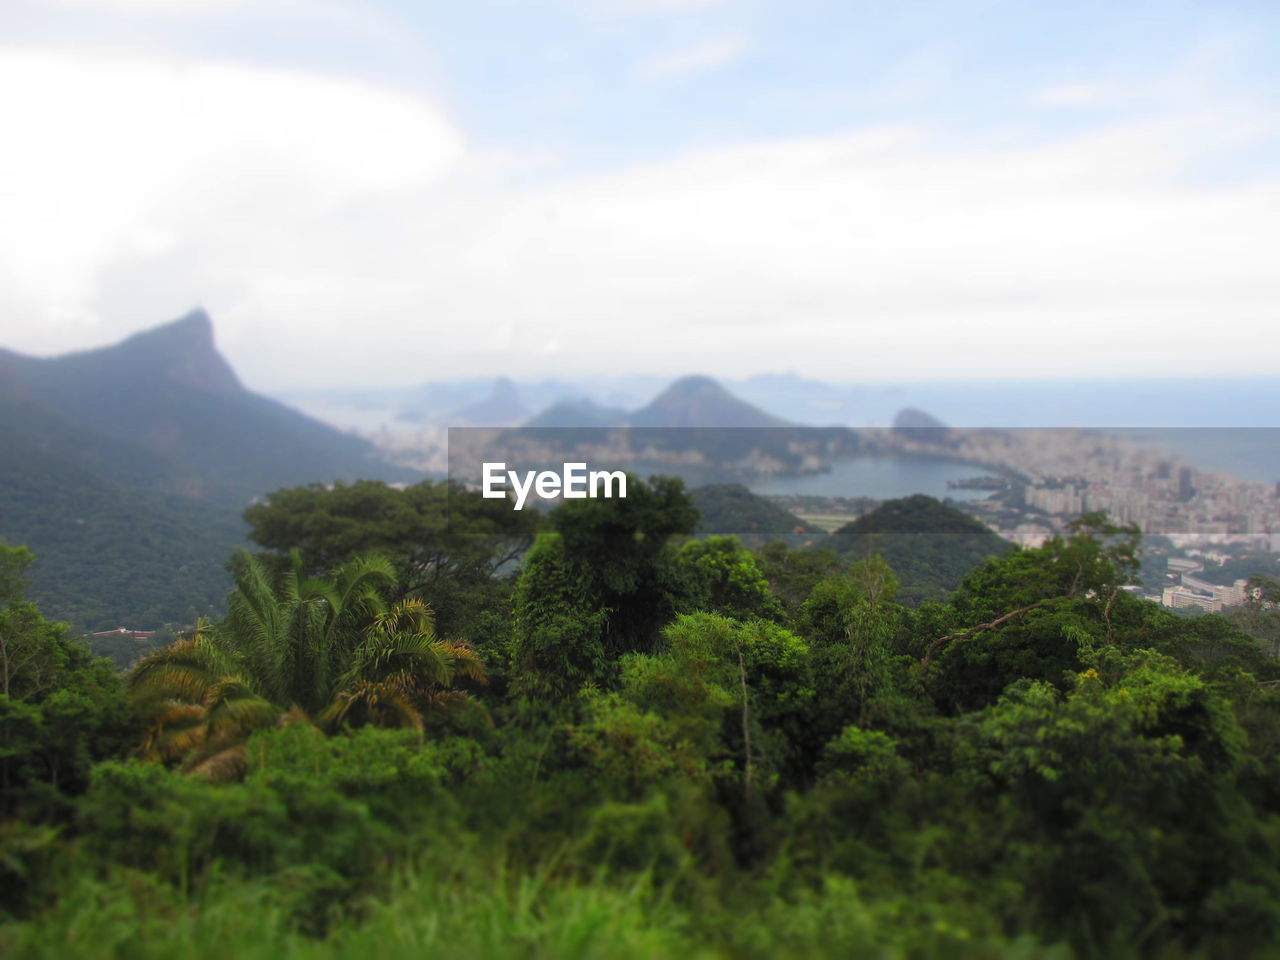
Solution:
(686, 749)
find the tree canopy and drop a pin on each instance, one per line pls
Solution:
(727, 751)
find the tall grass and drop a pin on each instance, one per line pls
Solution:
(472, 909)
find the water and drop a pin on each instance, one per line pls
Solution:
(1165, 402)
(882, 478)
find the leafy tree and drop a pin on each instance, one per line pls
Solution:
(1121, 810)
(717, 702)
(327, 648)
(618, 545)
(61, 708)
(560, 626)
(597, 587)
(854, 625)
(1260, 615)
(30, 656)
(447, 544)
(717, 707)
(792, 574)
(1032, 614)
(719, 575)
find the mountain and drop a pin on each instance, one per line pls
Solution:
(732, 508)
(126, 470)
(108, 555)
(701, 402)
(169, 391)
(697, 402)
(578, 413)
(920, 426)
(113, 547)
(930, 545)
(909, 418)
(501, 407)
(694, 429)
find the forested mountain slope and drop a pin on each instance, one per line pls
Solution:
(930, 545)
(732, 508)
(126, 470)
(169, 391)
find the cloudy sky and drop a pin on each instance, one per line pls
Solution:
(404, 190)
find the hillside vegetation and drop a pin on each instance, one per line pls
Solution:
(930, 545)
(732, 508)
(636, 743)
(127, 469)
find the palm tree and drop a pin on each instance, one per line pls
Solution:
(202, 705)
(401, 672)
(328, 648)
(295, 638)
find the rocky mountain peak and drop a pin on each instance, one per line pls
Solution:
(182, 351)
(699, 401)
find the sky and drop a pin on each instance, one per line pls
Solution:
(392, 192)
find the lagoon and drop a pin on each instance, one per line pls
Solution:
(879, 477)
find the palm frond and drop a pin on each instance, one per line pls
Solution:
(465, 660)
(175, 731)
(295, 715)
(241, 715)
(222, 765)
(382, 704)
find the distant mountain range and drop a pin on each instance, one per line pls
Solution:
(690, 402)
(126, 469)
(1121, 402)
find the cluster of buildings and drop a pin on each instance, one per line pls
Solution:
(1191, 591)
(1065, 473)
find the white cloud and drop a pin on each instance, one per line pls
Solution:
(1069, 95)
(863, 257)
(692, 59)
(877, 255)
(320, 224)
(111, 162)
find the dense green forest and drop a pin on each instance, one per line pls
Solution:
(126, 470)
(427, 724)
(930, 546)
(730, 508)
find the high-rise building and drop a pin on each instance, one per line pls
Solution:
(1186, 491)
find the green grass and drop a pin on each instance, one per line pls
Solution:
(482, 913)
